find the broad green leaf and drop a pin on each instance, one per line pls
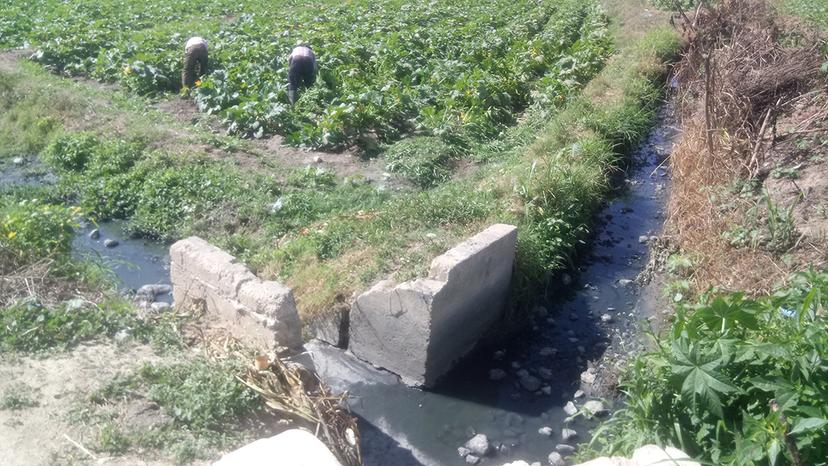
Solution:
(808, 423)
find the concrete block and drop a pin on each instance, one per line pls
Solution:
(420, 329)
(262, 313)
(292, 447)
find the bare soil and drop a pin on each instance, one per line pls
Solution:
(60, 385)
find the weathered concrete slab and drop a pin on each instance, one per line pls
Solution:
(419, 329)
(262, 313)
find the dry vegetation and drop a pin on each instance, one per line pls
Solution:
(747, 84)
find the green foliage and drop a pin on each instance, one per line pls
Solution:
(29, 326)
(31, 230)
(461, 68)
(815, 11)
(711, 382)
(422, 160)
(112, 440)
(201, 397)
(199, 394)
(69, 153)
(17, 396)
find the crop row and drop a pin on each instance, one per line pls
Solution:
(461, 69)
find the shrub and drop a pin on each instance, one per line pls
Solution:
(733, 380)
(32, 230)
(70, 152)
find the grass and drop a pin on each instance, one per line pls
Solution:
(201, 402)
(29, 326)
(815, 11)
(18, 396)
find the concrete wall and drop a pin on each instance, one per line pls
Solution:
(262, 313)
(419, 329)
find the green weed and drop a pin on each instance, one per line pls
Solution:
(18, 396)
(422, 160)
(31, 230)
(200, 398)
(709, 384)
(29, 326)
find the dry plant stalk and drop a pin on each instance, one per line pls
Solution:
(735, 80)
(295, 392)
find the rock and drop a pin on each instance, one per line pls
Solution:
(547, 351)
(497, 374)
(472, 459)
(546, 390)
(523, 373)
(94, 234)
(606, 318)
(159, 306)
(541, 311)
(499, 354)
(595, 408)
(652, 455)
(578, 394)
(588, 376)
(555, 459)
(568, 434)
(519, 463)
(547, 431)
(643, 239)
(318, 159)
(573, 316)
(463, 451)
(625, 282)
(513, 419)
(515, 365)
(293, 446)
(570, 409)
(566, 280)
(154, 290)
(530, 383)
(121, 336)
(110, 243)
(18, 160)
(564, 449)
(478, 445)
(581, 349)
(610, 309)
(544, 373)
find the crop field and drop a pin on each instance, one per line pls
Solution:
(461, 70)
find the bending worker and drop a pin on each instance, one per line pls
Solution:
(195, 61)
(301, 70)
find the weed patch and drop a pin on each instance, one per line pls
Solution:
(734, 381)
(200, 399)
(18, 396)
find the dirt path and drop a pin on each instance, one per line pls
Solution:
(50, 393)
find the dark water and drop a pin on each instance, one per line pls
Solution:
(135, 262)
(404, 426)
